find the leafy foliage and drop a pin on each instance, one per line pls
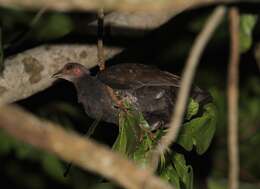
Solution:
(249, 136)
(199, 131)
(20, 160)
(51, 164)
(136, 141)
(178, 173)
(19, 27)
(56, 25)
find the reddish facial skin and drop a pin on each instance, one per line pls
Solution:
(71, 71)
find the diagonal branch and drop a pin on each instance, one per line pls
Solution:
(126, 5)
(233, 77)
(100, 41)
(186, 82)
(85, 153)
(29, 72)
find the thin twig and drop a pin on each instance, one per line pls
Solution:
(24, 35)
(91, 130)
(38, 16)
(101, 58)
(233, 77)
(186, 81)
(80, 150)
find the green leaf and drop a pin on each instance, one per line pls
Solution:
(199, 131)
(178, 173)
(53, 166)
(105, 185)
(54, 26)
(180, 165)
(184, 172)
(193, 108)
(129, 133)
(148, 141)
(135, 140)
(6, 143)
(142, 154)
(23, 150)
(247, 23)
(170, 175)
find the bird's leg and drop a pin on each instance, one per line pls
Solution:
(149, 133)
(119, 102)
(91, 130)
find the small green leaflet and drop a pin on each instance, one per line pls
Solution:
(53, 26)
(129, 133)
(170, 175)
(184, 171)
(192, 110)
(53, 166)
(178, 173)
(247, 24)
(199, 131)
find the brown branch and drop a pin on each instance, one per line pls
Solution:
(126, 5)
(21, 80)
(101, 58)
(85, 153)
(233, 77)
(136, 20)
(30, 71)
(186, 81)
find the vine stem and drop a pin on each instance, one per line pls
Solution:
(232, 93)
(100, 44)
(186, 82)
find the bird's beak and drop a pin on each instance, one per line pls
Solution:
(57, 74)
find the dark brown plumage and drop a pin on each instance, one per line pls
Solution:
(150, 90)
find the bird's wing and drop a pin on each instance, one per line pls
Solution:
(133, 76)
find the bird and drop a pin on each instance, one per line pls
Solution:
(148, 89)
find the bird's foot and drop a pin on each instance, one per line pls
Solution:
(118, 103)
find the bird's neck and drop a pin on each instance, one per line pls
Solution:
(93, 94)
(87, 83)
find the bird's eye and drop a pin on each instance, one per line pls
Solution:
(69, 67)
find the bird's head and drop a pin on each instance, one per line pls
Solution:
(71, 72)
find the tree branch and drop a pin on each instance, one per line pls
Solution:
(186, 82)
(29, 72)
(126, 5)
(85, 153)
(233, 76)
(100, 44)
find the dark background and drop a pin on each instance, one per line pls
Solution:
(167, 47)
